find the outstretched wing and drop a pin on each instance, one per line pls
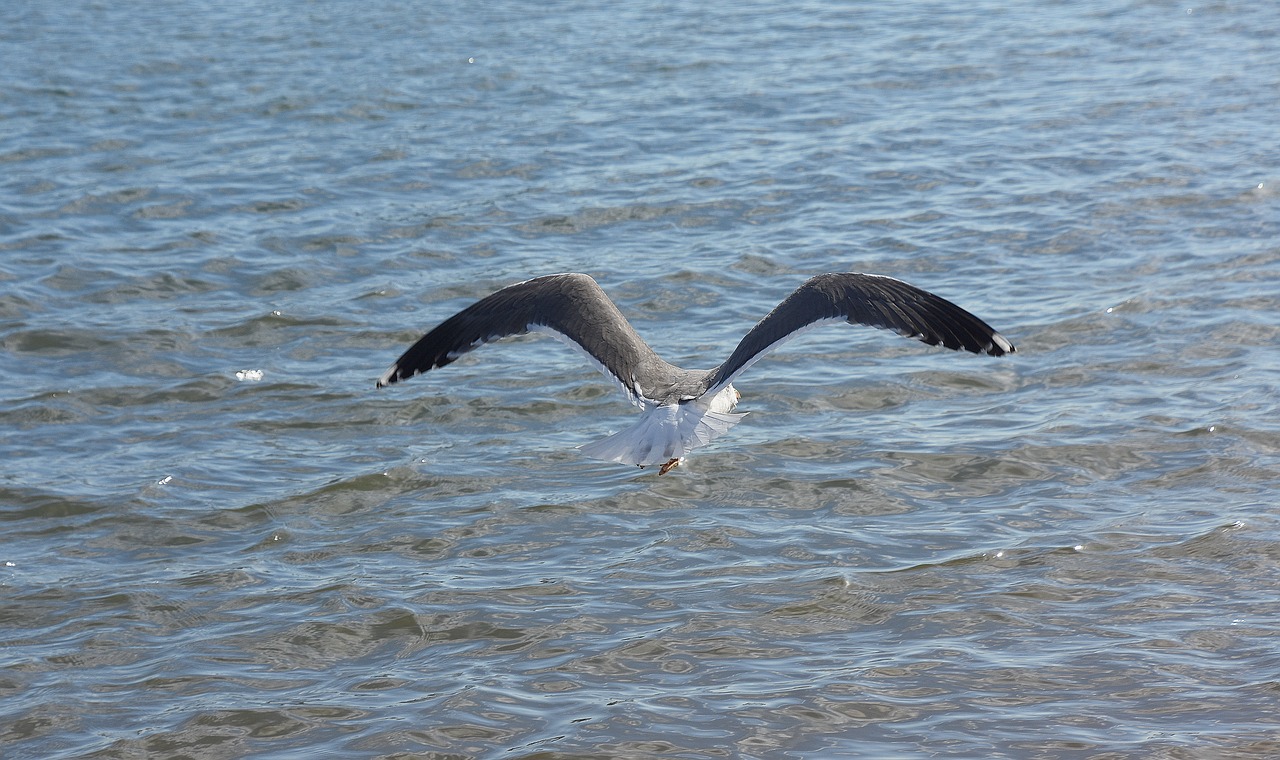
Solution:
(571, 307)
(862, 299)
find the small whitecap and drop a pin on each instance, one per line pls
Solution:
(10, 564)
(249, 375)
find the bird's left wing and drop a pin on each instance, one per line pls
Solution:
(571, 307)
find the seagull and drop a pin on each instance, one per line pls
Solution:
(684, 409)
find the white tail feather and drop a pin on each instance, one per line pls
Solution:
(662, 434)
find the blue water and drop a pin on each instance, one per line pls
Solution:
(220, 223)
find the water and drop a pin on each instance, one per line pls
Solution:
(220, 224)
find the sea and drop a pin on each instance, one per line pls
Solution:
(221, 222)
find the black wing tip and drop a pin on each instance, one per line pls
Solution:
(989, 349)
(995, 345)
(394, 374)
(406, 367)
(950, 325)
(982, 340)
(999, 346)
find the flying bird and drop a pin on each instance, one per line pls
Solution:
(684, 409)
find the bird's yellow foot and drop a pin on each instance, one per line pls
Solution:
(669, 466)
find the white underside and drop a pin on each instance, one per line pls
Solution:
(670, 432)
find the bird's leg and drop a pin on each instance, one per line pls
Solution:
(671, 464)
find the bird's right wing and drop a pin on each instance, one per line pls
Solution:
(865, 299)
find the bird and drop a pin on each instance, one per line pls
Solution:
(684, 409)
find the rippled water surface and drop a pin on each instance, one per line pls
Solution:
(219, 223)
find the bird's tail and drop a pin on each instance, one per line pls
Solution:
(663, 433)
